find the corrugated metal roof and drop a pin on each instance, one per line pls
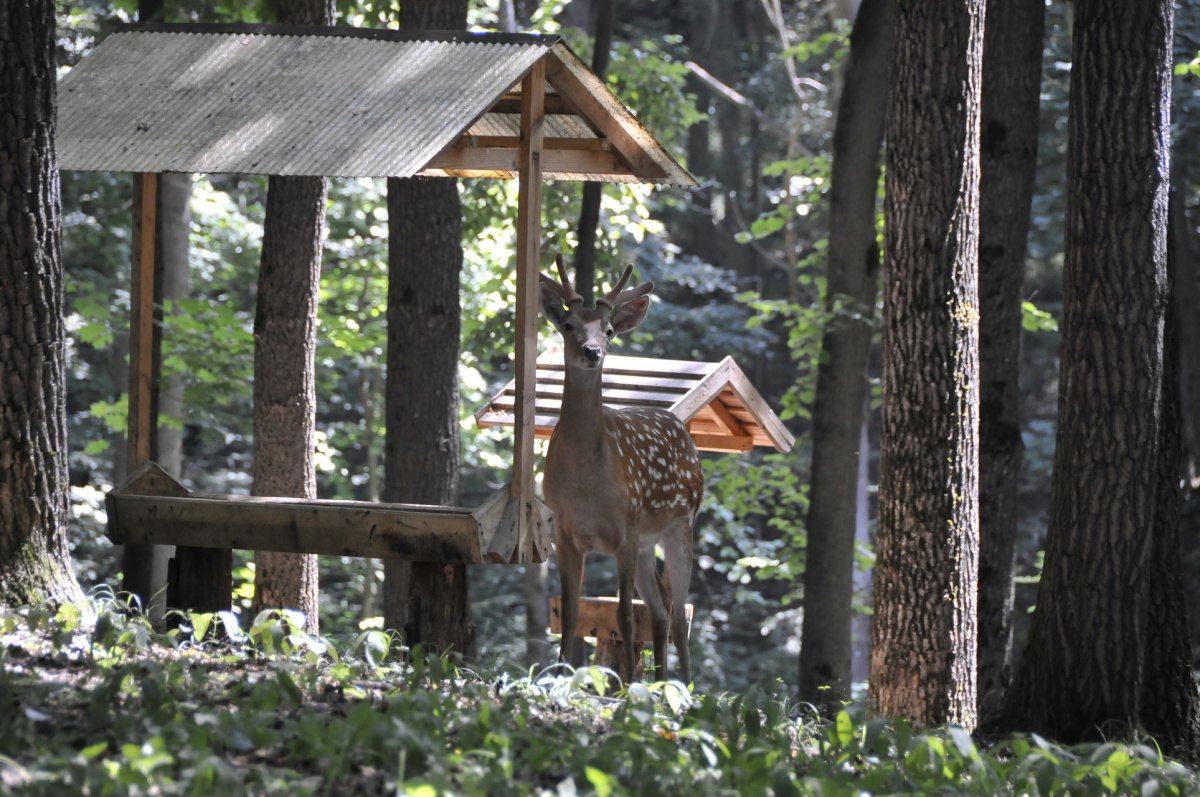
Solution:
(271, 104)
(340, 101)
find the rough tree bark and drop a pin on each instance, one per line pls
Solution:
(35, 562)
(1100, 658)
(853, 272)
(1012, 74)
(421, 450)
(429, 602)
(285, 344)
(923, 659)
(1169, 700)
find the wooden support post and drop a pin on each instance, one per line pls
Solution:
(529, 235)
(138, 560)
(141, 320)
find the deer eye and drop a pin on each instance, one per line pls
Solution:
(568, 327)
(610, 332)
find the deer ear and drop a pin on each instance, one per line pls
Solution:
(551, 303)
(630, 314)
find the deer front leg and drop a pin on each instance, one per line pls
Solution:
(626, 576)
(570, 579)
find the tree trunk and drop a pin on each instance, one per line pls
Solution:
(1186, 301)
(421, 450)
(1012, 73)
(35, 562)
(285, 345)
(1170, 702)
(923, 656)
(1099, 620)
(428, 602)
(852, 286)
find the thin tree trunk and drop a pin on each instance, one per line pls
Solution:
(1012, 73)
(1082, 673)
(923, 656)
(35, 562)
(285, 345)
(852, 286)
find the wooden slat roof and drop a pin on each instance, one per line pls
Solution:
(722, 409)
(344, 102)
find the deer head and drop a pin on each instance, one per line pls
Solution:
(586, 331)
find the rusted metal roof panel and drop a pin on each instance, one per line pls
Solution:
(269, 103)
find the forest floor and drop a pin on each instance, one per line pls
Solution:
(104, 705)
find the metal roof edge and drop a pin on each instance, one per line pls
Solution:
(347, 31)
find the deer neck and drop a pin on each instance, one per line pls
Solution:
(582, 419)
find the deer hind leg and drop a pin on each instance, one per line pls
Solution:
(654, 594)
(677, 548)
(570, 579)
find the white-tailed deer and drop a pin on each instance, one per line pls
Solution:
(619, 481)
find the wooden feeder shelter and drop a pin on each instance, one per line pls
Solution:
(348, 102)
(721, 408)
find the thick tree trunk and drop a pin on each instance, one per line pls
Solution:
(285, 345)
(923, 656)
(428, 602)
(285, 400)
(421, 450)
(1186, 301)
(1100, 610)
(1170, 701)
(1012, 73)
(35, 562)
(852, 286)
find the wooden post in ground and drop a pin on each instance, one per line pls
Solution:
(138, 559)
(529, 220)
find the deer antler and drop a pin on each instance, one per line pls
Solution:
(563, 288)
(617, 297)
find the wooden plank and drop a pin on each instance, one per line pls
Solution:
(341, 528)
(724, 417)
(553, 104)
(548, 144)
(141, 320)
(612, 396)
(690, 405)
(623, 379)
(506, 162)
(529, 236)
(598, 618)
(551, 359)
(725, 444)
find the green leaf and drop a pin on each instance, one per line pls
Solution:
(94, 750)
(602, 782)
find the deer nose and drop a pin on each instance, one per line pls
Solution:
(592, 352)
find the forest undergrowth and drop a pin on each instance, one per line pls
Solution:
(98, 702)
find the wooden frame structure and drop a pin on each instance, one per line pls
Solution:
(367, 103)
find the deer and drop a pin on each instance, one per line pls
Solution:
(619, 481)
